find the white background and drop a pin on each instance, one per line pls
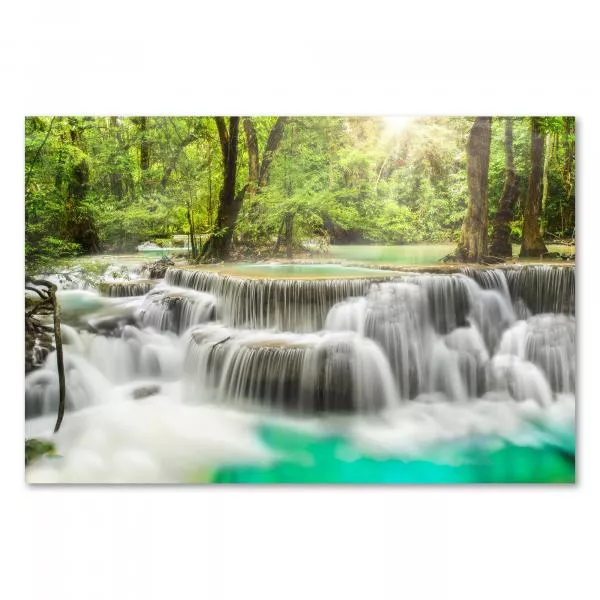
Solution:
(307, 58)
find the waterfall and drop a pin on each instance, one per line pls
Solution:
(324, 345)
(121, 289)
(176, 309)
(395, 315)
(488, 279)
(188, 370)
(534, 289)
(302, 373)
(444, 334)
(95, 363)
(449, 298)
(299, 305)
(547, 341)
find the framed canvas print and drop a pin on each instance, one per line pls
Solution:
(300, 300)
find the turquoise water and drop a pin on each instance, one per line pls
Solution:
(412, 254)
(547, 456)
(304, 270)
(163, 251)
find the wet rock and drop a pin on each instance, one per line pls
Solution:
(158, 269)
(110, 326)
(145, 392)
(38, 344)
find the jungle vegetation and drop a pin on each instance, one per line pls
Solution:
(266, 186)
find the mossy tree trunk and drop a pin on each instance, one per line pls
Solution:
(501, 245)
(474, 236)
(533, 244)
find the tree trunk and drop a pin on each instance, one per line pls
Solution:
(80, 225)
(219, 244)
(533, 244)
(49, 303)
(474, 237)
(144, 145)
(568, 176)
(59, 362)
(549, 143)
(253, 161)
(192, 244)
(501, 245)
(289, 235)
(273, 142)
(116, 178)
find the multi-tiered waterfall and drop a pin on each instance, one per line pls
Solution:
(361, 346)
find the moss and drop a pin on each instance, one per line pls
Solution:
(35, 449)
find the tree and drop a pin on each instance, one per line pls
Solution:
(110, 183)
(219, 244)
(474, 237)
(533, 244)
(230, 203)
(80, 223)
(501, 245)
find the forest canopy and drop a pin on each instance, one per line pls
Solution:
(264, 186)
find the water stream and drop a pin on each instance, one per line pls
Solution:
(178, 379)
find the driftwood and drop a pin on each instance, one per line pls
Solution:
(47, 305)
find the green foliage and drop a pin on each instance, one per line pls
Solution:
(35, 449)
(106, 184)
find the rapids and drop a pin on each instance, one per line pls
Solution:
(173, 381)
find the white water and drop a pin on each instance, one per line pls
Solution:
(415, 362)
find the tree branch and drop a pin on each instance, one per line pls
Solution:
(273, 142)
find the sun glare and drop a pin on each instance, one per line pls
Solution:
(395, 125)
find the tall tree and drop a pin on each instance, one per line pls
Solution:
(144, 144)
(258, 171)
(568, 174)
(219, 244)
(80, 225)
(501, 245)
(474, 236)
(533, 244)
(549, 145)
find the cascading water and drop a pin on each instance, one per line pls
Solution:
(186, 370)
(120, 289)
(301, 373)
(540, 288)
(177, 309)
(95, 363)
(287, 304)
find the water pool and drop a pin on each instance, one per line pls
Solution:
(324, 270)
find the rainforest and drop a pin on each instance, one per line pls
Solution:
(300, 299)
